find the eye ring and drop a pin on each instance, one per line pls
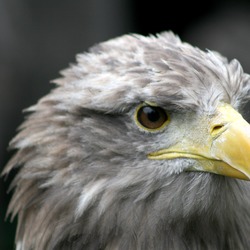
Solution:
(151, 117)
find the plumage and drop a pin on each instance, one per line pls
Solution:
(85, 179)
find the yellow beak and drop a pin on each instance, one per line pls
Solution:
(224, 148)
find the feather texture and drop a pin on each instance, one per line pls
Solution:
(84, 181)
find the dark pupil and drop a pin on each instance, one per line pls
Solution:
(152, 114)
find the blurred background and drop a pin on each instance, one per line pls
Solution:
(39, 38)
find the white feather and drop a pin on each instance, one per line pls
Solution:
(88, 196)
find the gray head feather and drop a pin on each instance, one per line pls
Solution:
(84, 180)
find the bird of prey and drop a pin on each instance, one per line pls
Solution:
(141, 145)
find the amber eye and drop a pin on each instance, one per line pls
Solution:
(151, 117)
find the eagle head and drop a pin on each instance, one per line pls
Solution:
(141, 145)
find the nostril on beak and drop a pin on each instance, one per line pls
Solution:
(217, 129)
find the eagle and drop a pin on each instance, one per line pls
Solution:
(140, 145)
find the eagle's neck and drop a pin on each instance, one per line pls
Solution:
(206, 212)
(186, 211)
